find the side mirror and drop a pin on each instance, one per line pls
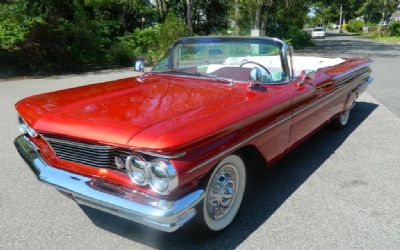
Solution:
(139, 64)
(309, 74)
(255, 74)
(306, 75)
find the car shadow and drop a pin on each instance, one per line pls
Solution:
(268, 189)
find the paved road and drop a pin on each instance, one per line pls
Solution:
(338, 190)
(386, 63)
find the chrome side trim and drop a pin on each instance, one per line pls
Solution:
(352, 71)
(317, 101)
(174, 156)
(257, 134)
(164, 215)
(239, 144)
(341, 88)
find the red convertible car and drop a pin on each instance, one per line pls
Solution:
(174, 142)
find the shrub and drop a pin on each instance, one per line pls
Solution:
(297, 38)
(141, 42)
(122, 54)
(372, 28)
(394, 28)
(355, 26)
(61, 45)
(152, 42)
(147, 43)
(344, 26)
(13, 24)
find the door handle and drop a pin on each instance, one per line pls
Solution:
(325, 85)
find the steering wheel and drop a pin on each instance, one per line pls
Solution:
(256, 63)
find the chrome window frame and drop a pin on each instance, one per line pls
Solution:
(284, 51)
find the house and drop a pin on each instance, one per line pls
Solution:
(396, 16)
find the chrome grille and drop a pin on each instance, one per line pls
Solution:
(94, 155)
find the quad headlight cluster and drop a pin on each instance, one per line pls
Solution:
(25, 128)
(158, 173)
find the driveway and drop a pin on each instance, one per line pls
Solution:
(340, 189)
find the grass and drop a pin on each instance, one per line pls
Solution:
(386, 39)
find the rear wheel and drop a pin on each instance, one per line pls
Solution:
(224, 194)
(342, 120)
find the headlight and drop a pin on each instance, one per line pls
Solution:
(159, 173)
(137, 170)
(24, 127)
(162, 176)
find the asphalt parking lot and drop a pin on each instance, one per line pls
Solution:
(340, 189)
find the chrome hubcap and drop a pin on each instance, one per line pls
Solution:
(222, 191)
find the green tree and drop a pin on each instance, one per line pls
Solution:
(264, 8)
(204, 17)
(172, 29)
(370, 11)
(258, 13)
(14, 24)
(161, 6)
(329, 11)
(377, 10)
(131, 13)
(271, 17)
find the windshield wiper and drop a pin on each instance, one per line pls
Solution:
(200, 74)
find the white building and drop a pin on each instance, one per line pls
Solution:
(396, 16)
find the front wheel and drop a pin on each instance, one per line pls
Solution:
(224, 194)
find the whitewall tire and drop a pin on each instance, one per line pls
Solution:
(342, 120)
(224, 193)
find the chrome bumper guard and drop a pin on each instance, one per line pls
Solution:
(160, 214)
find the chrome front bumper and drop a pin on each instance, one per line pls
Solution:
(163, 215)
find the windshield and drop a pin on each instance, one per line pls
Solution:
(319, 29)
(225, 58)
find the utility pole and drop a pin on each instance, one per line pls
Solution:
(340, 18)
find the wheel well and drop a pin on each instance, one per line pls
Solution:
(252, 157)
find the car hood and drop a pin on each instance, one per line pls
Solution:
(114, 112)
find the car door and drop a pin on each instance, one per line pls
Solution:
(312, 97)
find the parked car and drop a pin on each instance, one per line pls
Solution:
(318, 32)
(174, 143)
